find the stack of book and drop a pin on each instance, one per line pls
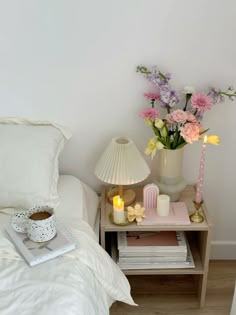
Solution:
(153, 250)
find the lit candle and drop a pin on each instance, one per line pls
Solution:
(198, 197)
(163, 205)
(118, 210)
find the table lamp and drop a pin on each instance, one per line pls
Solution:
(122, 164)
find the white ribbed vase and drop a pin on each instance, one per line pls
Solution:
(170, 180)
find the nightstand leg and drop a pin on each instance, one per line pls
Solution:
(102, 238)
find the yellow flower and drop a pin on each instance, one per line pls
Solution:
(148, 122)
(152, 146)
(213, 139)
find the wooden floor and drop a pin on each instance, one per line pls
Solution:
(146, 293)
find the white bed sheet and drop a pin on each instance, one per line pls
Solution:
(83, 282)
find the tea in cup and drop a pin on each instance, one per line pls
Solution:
(39, 223)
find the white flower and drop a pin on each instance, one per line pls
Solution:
(189, 90)
(136, 213)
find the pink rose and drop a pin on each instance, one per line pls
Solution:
(179, 116)
(191, 118)
(169, 119)
(190, 132)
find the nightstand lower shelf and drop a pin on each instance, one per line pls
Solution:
(197, 270)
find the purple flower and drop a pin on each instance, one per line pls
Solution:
(158, 78)
(216, 96)
(168, 97)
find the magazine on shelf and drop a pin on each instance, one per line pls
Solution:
(160, 253)
(151, 259)
(152, 242)
(188, 263)
(178, 216)
(36, 253)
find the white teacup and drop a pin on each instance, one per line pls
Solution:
(38, 222)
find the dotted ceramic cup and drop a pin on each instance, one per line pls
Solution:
(38, 222)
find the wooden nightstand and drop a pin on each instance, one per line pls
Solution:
(198, 235)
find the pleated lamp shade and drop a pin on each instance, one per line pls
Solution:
(121, 163)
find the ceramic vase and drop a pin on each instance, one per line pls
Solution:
(169, 177)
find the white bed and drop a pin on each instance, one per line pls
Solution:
(82, 282)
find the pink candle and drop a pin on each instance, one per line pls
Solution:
(198, 197)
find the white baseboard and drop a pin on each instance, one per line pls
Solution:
(223, 250)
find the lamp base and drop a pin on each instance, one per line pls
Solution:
(128, 195)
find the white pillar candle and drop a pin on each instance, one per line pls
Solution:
(118, 210)
(163, 205)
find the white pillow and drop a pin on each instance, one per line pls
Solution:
(77, 200)
(29, 152)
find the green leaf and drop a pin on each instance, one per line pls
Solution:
(181, 145)
(201, 133)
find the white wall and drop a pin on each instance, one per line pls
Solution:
(74, 62)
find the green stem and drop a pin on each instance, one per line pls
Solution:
(188, 96)
(156, 131)
(143, 70)
(176, 138)
(163, 76)
(227, 94)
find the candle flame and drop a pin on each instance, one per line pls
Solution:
(205, 139)
(118, 202)
(115, 199)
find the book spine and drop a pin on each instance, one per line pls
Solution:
(166, 265)
(153, 249)
(153, 254)
(150, 260)
(188, 263)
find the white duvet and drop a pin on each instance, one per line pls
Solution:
(83, 282)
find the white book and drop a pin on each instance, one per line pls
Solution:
(159, 253)
(36, 253)
(152, 242)
(189, 263)
(151, 259)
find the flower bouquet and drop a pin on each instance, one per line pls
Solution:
(179, 126)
